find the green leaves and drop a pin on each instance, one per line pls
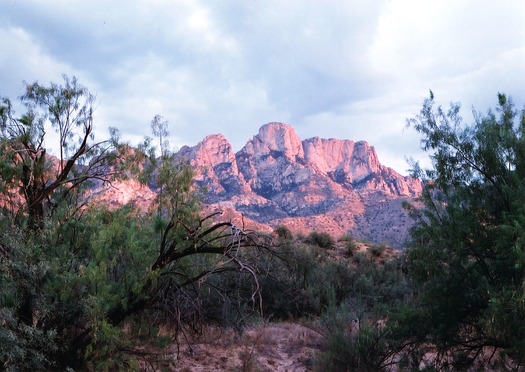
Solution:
(72, 273)
(467, 253)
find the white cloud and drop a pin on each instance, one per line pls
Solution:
(353, 69)
(425, 39)
(24, 60)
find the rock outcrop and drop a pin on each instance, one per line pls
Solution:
(217, 167)
(337, 186)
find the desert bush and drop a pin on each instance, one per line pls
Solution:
(361, 259)
(283, 232)
(353, 341)
(303, 283)
(350, 243)
(306, 282)
(323, 239)
(377, 250)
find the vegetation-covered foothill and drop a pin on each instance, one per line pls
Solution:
(84, 286)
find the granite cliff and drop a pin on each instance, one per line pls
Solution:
(331, 185)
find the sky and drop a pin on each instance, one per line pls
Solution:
(345, 69)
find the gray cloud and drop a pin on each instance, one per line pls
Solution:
(353, 69)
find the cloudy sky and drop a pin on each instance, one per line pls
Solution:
(347, 69)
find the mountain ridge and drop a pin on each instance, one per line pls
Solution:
(332, 185)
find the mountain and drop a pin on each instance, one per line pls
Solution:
(327, 185)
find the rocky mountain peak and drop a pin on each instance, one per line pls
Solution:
(212, 150)
(344, 161)
(216, 166)
(333, 185)
(275, 139)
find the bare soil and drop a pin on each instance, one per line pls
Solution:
(277, 347)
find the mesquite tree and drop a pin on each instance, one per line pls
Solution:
(73, 272)
(468, 253)
(33, 182)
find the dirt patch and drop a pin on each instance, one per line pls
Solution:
(276, 347)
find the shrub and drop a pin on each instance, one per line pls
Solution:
(283, 232)
(323, 240)
(304, 283)
(360, 259)
(377, 250)
(350, 244)
(352, 342)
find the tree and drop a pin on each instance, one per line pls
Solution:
(72, 272)
(468, 244)
(33, 183)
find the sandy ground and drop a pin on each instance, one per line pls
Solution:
(277, 347)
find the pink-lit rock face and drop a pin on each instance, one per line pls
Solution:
(355, 164)
(334, 185)
(345, 160)
(216, 166)
(215, 149)
(328, 185)
(275, 138)
(119, 193)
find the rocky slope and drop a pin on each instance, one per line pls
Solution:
(337, 186)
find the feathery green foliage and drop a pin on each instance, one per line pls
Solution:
(468, 245)
(80, 283)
